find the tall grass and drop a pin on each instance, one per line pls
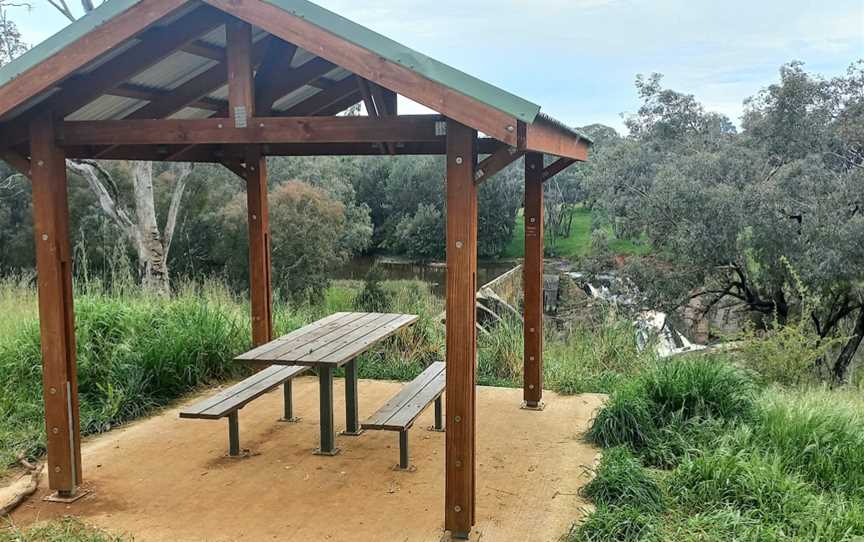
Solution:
(741, 464)
(135, 353)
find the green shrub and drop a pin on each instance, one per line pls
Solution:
(621, 480)
(625, 420)
(614, 523)
(690, 387)
(373, 297)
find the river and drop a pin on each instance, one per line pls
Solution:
(435, 274)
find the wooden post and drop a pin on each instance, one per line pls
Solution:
(241, 98)
(260, 284)
(533, 282)
(56, 319)
(461, 330)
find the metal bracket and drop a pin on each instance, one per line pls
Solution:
(441, 128)
(537, 407)
(65, 497)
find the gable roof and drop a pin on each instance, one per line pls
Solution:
(478, 91)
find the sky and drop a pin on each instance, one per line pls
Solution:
(578, 59)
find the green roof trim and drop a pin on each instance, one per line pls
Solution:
(53, 45)
(428, 67)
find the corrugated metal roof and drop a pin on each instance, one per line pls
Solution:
(393, 51)
(53, 45)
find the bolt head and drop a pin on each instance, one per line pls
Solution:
(57, 469)
(531, 358)
(55, 430)
(510, 128)
(53, 391)
(40, 163)
(457, 508)
(458, 419)
(459, 160)
(530, 386)
(44, 236)
(459, 244)
(458, 464)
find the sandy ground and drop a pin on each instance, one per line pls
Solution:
(170, 479)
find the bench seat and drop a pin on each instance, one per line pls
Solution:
(229, 401)
(400, 412)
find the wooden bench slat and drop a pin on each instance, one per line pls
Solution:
(238, 395)
(406, 416)
(307, 347)
(325, 325)
(380, 419)
(324, 334)
(352, 344)
(230, 391)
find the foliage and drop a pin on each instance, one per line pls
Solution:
(684, 395)
(622, 480)
(728, 210)
(306, 224)
(788, 470)
(62, 530)
(135, 353)
(373, 298)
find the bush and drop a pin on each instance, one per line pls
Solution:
(373, 298)
(626, 419)
(621, 480)
(703, 387)
(662, 411)
(614, 523)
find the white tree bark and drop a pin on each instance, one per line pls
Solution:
(151, 246)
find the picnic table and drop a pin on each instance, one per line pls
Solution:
(335, 341)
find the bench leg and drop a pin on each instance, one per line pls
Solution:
(328, 436)
(439, 416)
(404, 460)
(352, 418)
(288, 394)
(233, 435)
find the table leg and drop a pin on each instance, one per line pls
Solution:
(288, 403)
(328, 436)
(352, 418)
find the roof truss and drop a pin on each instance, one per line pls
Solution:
(270, 74)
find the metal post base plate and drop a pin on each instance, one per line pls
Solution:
(459, 536)
(357, 433)
(436, 430)
(334, 451)
(398, 468)
(65, 498)
(533, 406)
(295, 419)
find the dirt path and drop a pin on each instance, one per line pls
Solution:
(167, 479)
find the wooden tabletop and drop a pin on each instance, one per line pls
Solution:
(332, 341)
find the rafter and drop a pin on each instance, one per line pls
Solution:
(74, 56)
(277, 61)
(324, 99)
(158, 45)
(138, 92)
(372, 110)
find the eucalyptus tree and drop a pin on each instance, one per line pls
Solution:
(772, 217)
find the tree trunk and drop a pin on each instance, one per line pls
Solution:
(844, 360)
(152, 261)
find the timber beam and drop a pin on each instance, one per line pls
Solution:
(236, 153)
(257, 131)
(496, 162)
(557, 167)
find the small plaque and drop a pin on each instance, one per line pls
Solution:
(240, 118)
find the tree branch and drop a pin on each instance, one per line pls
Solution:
(183, 173)
(99, 180)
